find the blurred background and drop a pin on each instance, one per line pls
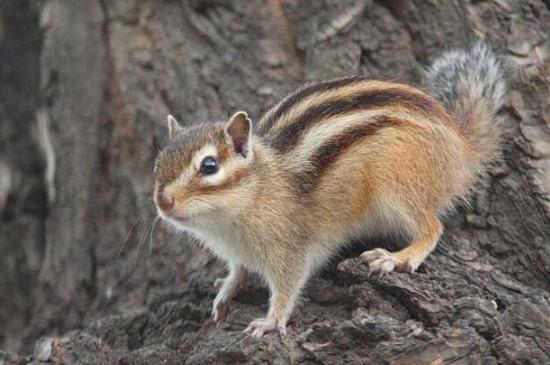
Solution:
(85, 87)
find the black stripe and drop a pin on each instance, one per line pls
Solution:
(325, 156)
(290, 101)
(287, 138)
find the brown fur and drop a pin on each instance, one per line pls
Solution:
(332, 149)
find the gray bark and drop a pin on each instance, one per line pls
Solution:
(110, 73)
(22, 195)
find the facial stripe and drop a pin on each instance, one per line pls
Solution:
(275, 114)
(227, 168)
(232, 180)
(289, 136)
(329, 152)
(232, 175)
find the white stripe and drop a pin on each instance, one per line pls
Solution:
(328, 128)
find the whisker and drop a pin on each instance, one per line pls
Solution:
(157, 218)
(127, 237)
(141, 242)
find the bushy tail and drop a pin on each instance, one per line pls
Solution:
(471, 85)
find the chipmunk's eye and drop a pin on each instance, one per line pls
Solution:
(209, 166)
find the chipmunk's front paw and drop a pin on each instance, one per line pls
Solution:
(381, 261)
(220, 309)
(259, 327)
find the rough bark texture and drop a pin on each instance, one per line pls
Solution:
(110, 71)
(22, 194)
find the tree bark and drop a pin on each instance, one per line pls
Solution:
(22, 194)
(112, 71)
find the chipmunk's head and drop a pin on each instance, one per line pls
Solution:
(205, 173)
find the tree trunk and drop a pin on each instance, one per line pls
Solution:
(22, 194)
(111, 71)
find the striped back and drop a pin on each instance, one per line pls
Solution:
(319, 122)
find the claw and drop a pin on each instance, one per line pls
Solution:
(229, 287)
(219, 312)
(259, 327)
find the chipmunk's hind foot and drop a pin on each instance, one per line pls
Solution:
(381, 262)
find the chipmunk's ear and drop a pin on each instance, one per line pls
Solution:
(174, 128)
(239, 131)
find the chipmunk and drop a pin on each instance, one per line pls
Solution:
(333, 161)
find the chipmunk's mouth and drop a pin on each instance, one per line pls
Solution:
(175, 217)
(182, 218)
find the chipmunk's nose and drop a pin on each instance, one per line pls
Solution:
(164, 200)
